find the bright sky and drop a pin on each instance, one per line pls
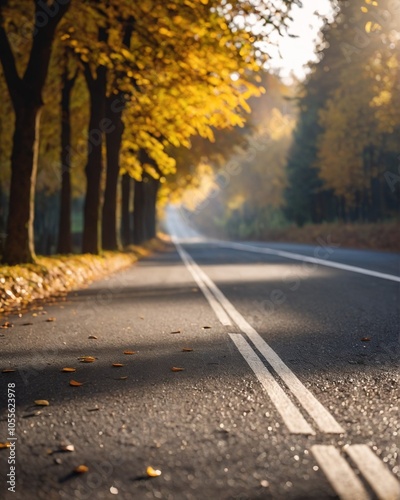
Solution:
(296, 52)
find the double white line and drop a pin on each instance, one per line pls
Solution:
(290, 414)
(337, 470)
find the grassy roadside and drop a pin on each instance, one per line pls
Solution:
(22, 285)
(382, 236)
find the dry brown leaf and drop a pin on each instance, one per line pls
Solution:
(41, 402)
(34, 315)
(81, 469)
(117, 365)
(50, 320)
(87, 359)
(74, 383)
(93, 409)
(153, 472)
(68, 370)
(27, 324)
(176, 369)
(92, 337)
(67, 447)
(187, 349)
(121, 378)
(129, 353)
(8, 370)
(206, 327)
(366, 339)
(4, 445)
(7, 324)
(175, 332)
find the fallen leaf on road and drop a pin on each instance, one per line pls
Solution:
(114, 490)
(129, 353)
(176, 369)
(68, 370)
(34, 315)
(74, 383)
(41, 402)
(121, 378)
(7, 324)
(4, 445)
(50, 320)
(187, 349)
(176, 331)
(81, 469)
(8, 370)
(93, 409)
(67, 447)
(366, 339)
(33, 414)
(27, 324)
(92, 337)
(206, 327)
(117, 365)
(87, 359)
(153, 472)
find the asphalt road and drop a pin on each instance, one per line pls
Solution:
(290, 391)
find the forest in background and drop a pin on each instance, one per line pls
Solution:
(325, 150)
(99, 93)
(133, 115)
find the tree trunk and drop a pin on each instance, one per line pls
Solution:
(113, 143)
(151, 205)
(139, 221)
(125, 206)
(19, 245)
(64, 228)
(26, 96)
(144, 213)
(94, 167)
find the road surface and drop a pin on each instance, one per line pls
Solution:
(289, 387)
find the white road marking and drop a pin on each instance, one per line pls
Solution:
(339, 473)
(219, 311)
(305, 258)
(292, 417)
(381, 480)
(325, 421)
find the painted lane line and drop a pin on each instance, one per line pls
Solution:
(219, 311)
(339, 473)
(381, 480)
(292, 417)
(304, 258)
(324, 420)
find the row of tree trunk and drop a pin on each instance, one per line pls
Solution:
(105, 126)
